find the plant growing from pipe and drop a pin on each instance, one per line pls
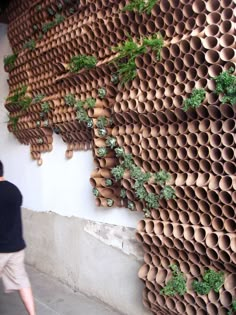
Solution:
(176, 285)
(162, 177)
(233, 308)
(80, 62)
(95, 192)
(140, 6)
(45, 107)
(38, 98)
(30, 44)
(102, 92)
(9, 61)
(70, 99)
(122, 193)
(108, 182)
(211, 280)
(102, 132)
(111, 142)
(110, 202)
(167, 193)
(102, 151)
(18, 94)
(195, 99)
(226, 85)
(155, 42)
(13, 121)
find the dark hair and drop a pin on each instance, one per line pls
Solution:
(1, 169)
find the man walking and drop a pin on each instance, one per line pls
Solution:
(12, 244)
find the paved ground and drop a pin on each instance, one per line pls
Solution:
(53, 298)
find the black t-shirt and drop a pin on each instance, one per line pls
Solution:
(11, 236)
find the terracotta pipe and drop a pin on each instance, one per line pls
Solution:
(199, 6)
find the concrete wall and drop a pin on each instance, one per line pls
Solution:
(101, 260)
(100, 257)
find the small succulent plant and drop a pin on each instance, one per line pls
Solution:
(110, 202)
(102, 92)
(95, 192)
(102, 151)
(108, 182)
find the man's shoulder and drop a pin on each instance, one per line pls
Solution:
(11, 185)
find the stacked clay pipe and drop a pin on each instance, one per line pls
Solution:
(196, 230)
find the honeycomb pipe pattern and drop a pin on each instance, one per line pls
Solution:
(197, 229)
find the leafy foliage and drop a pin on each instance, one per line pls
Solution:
(47, 26)
(155, 42)
(70, 99)
(130, 205)
(25, 102)
(38, 98)
(90, 102)
(167, 193)
(152, 201)
(162, 177)
(30, 44)
(102, 92)
(177, 284)
(110, 202)
(111, 142)
(19, 94)
(195, 100)
(95, 192)
(118, 172)
(140, 6)
(211, 280)
(108, 182)
(122, 193)
(82, 62)
(14, 121)
(127, 71)
(58, 19)
(233, 308)
(102, 122)
(10, 61)
(102, 132)
(102, 151)
(45, 107)
(226, 85)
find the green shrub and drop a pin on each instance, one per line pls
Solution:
(226, 85)
(82, 62)
(9, 61)
(177, 284)
(195, 99)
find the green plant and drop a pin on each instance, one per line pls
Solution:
(127, 71)
(130, 205)
(114, 78)
(82, 115)
(201, 287)
(40, 36)
(102, 92)
(120, 152)
(140, 6)
(50, 11)
(195, 99)
(13, 121)
(18, 94)
(108, 182)
(110, 202)
(233, 309)
(162, 177)
(38, 8)
(45, 107)
(155, 42)
(147, 213)
(102, 122)
(102, 151)
(111, 142)
(140, 192)
(152, 200)
(9, 61)
(47, 26)
(39, 141)
(90, 102)
(102, 132)
(95, 192)
(82, 61)
(90, 123)
(58, 19)
(211, 280)
(71, 10)
(117, 172)
(129, 49)
(30, 44)
(70, 99)
(167, 193)
(176, 285)
(226, 85)
(122, 193)
(38, 98)
(25, 102)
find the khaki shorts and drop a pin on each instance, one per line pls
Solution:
(12, 271)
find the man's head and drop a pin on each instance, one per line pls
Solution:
(1, 169)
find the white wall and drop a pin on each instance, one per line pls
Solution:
(59, 185)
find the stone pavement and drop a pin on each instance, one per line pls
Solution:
(53, 298)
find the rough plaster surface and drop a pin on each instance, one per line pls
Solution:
(96, 259)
